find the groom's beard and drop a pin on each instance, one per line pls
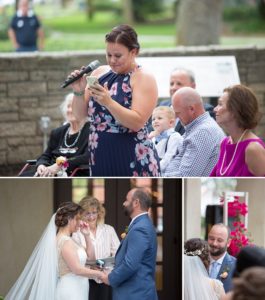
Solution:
(128, 210)
(217, 251)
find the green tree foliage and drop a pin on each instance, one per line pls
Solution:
(261, 8)
(4, 21)
(141, 8)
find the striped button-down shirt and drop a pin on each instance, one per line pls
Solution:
(199, 151)
(106, 241)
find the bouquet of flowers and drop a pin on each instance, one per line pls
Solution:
(239, 234)
(62, 162)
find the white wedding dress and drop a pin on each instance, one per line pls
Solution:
(71, 286)
(197, 284)
(46, 276)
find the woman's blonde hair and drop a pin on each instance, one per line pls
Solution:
(89, 202)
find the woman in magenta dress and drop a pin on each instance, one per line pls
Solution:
(119, 108)
(242, 153)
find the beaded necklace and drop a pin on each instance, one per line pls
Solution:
(234, 154)
(76, 139)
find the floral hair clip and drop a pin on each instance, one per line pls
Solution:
(123, 235)
(193, 253)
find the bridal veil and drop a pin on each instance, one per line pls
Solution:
(39, 277)
(197, 284)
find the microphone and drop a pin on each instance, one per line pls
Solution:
(92, 66)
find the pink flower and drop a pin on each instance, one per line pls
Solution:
(93, 140)
(97, 120)
(125, 87)
(239, 234)
(90, 111)
(153, 166)
(101, 127)
(113, 89)
(62, 162)
(141, 152)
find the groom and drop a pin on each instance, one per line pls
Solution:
(133, 277)
(222, 264)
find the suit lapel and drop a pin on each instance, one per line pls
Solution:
(224, 266)
(130, 228)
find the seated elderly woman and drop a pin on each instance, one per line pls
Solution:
(69, 141)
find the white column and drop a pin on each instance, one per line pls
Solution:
(256, 215)
(192, 208)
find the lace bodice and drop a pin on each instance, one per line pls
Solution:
(62, 265)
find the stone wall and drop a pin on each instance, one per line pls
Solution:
(30, 88)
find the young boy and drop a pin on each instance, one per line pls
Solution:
(165, 138)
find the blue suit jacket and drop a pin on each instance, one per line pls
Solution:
(228, 266)
(133, 277)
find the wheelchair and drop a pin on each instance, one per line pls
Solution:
(76, 171)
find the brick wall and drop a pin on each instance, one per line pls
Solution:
(30, 88)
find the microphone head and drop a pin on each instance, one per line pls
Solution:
(94, 65)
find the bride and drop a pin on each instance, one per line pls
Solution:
(197, 284)
(56, 269)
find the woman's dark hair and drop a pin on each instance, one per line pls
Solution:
(243, 103)
(250, 285)
(198, 247)
(66, 212)
(249, 256)
(125, 35)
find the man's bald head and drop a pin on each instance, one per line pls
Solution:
(187, 104)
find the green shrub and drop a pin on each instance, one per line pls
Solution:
(142, 8)
(4, 22)
(242, 12)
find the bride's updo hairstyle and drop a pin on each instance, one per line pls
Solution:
(198, 247)
(66, 212)
(124, 35)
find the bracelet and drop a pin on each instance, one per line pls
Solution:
(81, 93)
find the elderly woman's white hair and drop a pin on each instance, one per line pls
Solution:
(63, 107)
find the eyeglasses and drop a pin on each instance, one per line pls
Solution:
(91, 214)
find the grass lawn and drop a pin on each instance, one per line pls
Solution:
(70, 30)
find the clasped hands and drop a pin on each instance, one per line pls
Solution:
(47, 171)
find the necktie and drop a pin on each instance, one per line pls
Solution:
(214, 270)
